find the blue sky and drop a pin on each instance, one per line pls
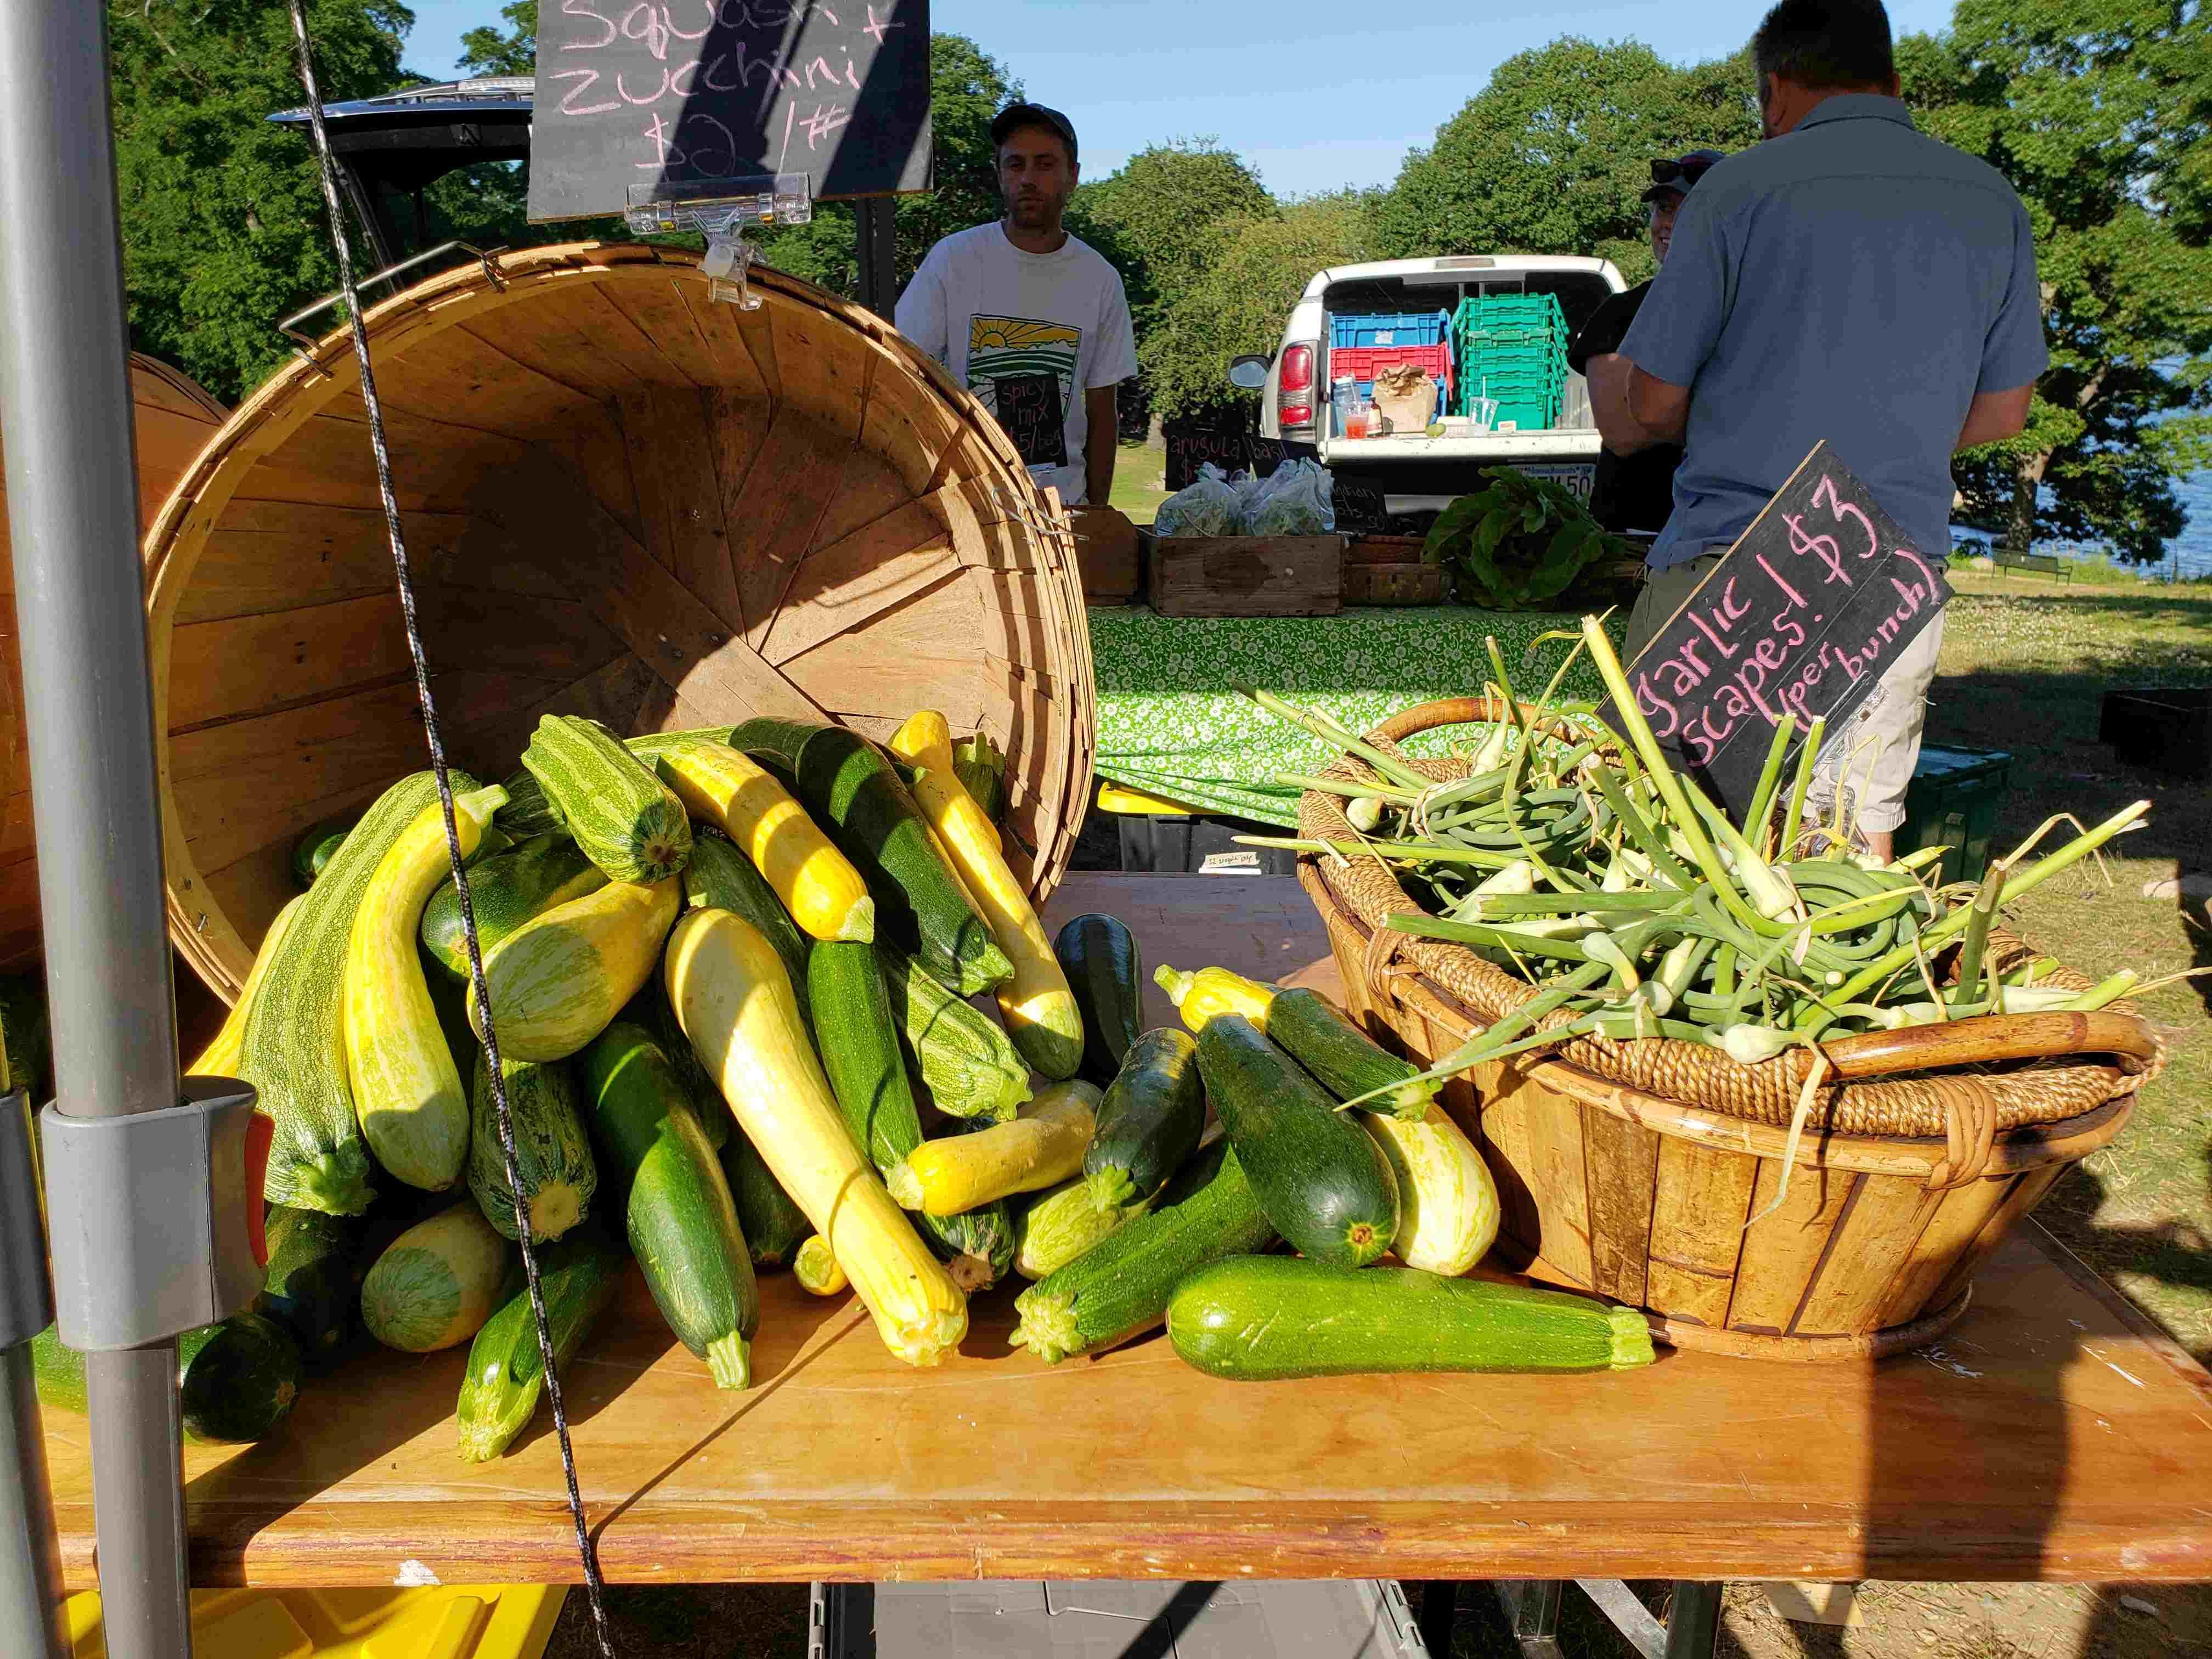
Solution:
(1315, 94)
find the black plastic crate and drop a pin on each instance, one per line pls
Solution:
(1166, 844)
(2167, 729)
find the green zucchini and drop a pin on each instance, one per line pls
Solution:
(625, 819)
(775, 1226)
(1262, 1318)
(528, 813)
(1149, 1122)
(551, 1153)
(294, 1051)
(317, 844)
(576, 1278)
(236, 1379)
(1121, 1287)
(967, 1062)
(436, 1283)
(312, 1285)
(681, 1219)
(1056, 1227)
(1106, 971)
(980, 766)
(1324, 1183)
(1344, 1059)
(720, 876)
(848, 785)
(859, 1043)
(650, 1009)
(505, 891)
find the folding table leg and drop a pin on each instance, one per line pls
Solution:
(1693, 1624)
(1439, 1616)
(1533, 1605)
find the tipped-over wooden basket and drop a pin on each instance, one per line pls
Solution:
(1631, 1169)
(624, 499)
(174, 417)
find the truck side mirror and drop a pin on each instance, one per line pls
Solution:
(1248, 373)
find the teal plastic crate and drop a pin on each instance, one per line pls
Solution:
(1953, 800)
(1512, 347)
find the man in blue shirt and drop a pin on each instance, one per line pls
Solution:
(1849, 280)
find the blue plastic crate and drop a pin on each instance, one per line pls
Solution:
(1410, 328)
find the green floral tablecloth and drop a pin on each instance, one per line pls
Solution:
(1171, 723)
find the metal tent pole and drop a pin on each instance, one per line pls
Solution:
(65, 415)
(30, 1572)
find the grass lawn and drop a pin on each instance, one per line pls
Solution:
(1138, 471)
(2025, 662)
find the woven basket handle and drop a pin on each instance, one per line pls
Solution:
(1449, 711)
(1988, 1038)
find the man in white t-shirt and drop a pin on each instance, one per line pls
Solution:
(1027, 318)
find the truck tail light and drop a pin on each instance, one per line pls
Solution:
(1294, 388)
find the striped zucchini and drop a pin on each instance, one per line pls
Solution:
(1448, 1210)
(624, 818)
(436, 1283)
(550, 1152)
(407, 1091)
(1261, 1318)
(506, 1373)
(815, 883)
(317, 846)
(506, 890)
(295, 1047)
(980, 766)
(720, 877)
(559, 979)
(1054, 1227)
(859, 1043)
(221, 1057)
(966, 1062)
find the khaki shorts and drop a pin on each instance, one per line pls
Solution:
(1871, 760)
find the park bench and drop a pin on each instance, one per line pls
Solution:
(2049, 565)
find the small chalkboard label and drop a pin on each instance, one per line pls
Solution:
(1028, 406)
(1802, 616)
(670, 93)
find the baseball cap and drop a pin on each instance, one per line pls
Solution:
(1016, 116)
(1678, 176)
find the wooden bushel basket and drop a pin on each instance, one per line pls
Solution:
(1631, 1168)
(624, 499)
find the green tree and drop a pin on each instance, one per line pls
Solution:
(1552, 155)
(222, 220)
(2070, 100)
(1257, 266)
(487, 51)
(1163, 210)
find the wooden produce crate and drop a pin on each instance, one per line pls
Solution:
(1107, 554)
(1245, 575)
(624, 499)
(1394, 584)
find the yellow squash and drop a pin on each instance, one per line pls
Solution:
(221, 1057)
(817, 883)
(815, 1267)
(1447, 1201)
(1210, 992)
(1039, 1010)
(734, 1001)
(407, 1092)
(559, 979)
(1041, 1147)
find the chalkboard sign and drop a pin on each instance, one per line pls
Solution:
(1029, 407)
(669, 93)
(1192, 447)
(1813, 603)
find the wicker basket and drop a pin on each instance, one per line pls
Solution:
(1631, 1169)
(625, 500)
(174, 417)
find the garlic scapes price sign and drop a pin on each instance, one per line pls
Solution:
(676, 93)
(1813, 603)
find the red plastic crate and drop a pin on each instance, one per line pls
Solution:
(1360, 362)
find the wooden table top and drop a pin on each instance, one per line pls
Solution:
(2052, 1435)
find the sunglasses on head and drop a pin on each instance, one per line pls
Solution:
(1687, 170)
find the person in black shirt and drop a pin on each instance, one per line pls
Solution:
(1633, 491)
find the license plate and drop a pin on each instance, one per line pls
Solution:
(1581, 476)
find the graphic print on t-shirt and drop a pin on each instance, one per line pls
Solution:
(1024, 370)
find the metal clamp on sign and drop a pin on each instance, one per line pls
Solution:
(722, 209)
(148, 1213)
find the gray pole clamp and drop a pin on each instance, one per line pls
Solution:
(26, 1302)
(148, 1214)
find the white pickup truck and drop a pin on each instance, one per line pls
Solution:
(1417, 474)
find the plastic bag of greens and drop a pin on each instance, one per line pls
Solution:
(1298, 499)
(1207, 507)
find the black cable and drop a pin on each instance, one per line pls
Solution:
(594, 1586)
